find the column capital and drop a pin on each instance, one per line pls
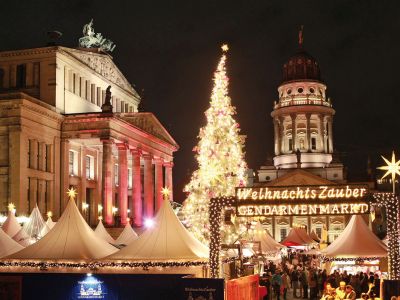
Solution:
(158, 160)
(107, 140)
(147, 156)
(122, 146)
(168, 164)
(136, 151)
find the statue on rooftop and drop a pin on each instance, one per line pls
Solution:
(91, 39)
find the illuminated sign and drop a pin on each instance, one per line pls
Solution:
(91, 288)
(322, 192)
(249, 210)
(302, 200)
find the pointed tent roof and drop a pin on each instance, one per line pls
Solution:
(23, 238)
(167, 239)
(268, 244)
(71, 238)
(11, 225)
(8, 245)
(127, 236)
(50, 223)
(33, 227)
(102, 233)
(356, 240)
(297, 237)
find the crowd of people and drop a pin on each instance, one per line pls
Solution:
(301, 275)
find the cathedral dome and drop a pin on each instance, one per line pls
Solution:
(301, 66)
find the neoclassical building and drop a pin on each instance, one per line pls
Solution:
(303, 144)
(54, 136)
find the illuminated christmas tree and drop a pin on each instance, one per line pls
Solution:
(220, 157)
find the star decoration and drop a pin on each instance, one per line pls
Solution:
(225, 48)
(392, 167)
(49, 214)
(11, 206)
(72, 193)
(165, 192)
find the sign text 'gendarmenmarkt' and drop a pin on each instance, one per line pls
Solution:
(302, 200)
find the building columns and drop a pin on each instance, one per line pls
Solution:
(158, 182)
(64, 185)
(294, 129)
(330, 140)
(168, 179)
(321, 133)
(148, 186)
(276, 137)
(308, 121)
(123, 181)
(107, 179)
(136, 188)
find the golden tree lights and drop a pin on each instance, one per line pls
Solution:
(220, 157)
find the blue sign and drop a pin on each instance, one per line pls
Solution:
(91, 288)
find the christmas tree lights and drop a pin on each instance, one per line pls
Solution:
(220, 157)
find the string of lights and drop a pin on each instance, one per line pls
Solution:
(391, 203)
(215, 217)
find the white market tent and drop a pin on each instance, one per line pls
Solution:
(127, 236)
(298, 237)
(11, 225)
(166, 240)
(356, 241)
(32, 229)
(102, 233)
(268, 244)
(71, 238)
(8, 245)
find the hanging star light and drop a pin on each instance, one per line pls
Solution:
(72, 193)
(392, 167)
(225, 47)
(11, 206)
(165, 192)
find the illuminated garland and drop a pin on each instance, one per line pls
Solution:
(96, 265)
(215, 210)
(355, 259)
(391, 203)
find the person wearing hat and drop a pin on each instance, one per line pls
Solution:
(350, 293)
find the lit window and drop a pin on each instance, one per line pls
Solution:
(318, 231)
(129, 178)
(73, 163)
(313, 143)
(89, 167)
(283, 233)
(116, 177)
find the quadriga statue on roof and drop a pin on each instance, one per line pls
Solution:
(91, 39)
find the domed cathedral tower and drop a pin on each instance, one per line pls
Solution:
(302, 119)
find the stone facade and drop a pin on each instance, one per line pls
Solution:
(53, 136)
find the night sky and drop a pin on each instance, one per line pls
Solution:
(171, 49)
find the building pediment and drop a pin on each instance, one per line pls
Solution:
(103, 65)
(149, 123)
(299, 177)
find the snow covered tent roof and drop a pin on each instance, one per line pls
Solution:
(268, 244)
(298, 237)
(11, 225)
(102, 233)
(127, 236)
(167, 239)
(8, 245)
(314, 236)
(32, 228)
(356, 241)
(71, 238)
